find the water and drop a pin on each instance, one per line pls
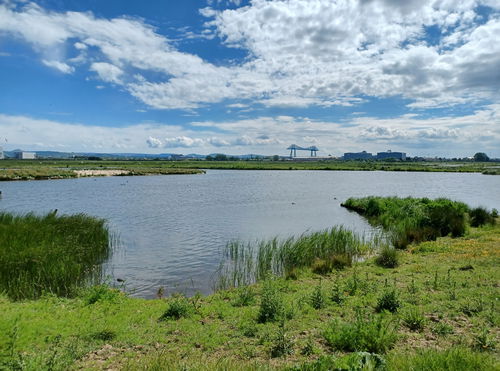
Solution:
(173, 228)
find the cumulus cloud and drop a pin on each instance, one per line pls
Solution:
(301, 52)
(154, 142)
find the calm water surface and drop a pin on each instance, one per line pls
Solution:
(173, 228)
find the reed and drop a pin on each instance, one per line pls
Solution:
(247, 263)
(409, 220)
(50, 253)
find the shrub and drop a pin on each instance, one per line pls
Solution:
(388, 301)
(387, 258)
(479, 216)
(272, 306)
(414, 319)
(178, 307)
(372, 334)
(321, 266)
(282, 345)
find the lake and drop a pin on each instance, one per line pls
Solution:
(172, 229)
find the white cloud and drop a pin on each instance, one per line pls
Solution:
(302, 52)
(60, 66)
(154, 142)
(107, 72)
(443, 136)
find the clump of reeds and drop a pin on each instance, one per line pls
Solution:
(409, 220)
(246, 263)
(50, 253)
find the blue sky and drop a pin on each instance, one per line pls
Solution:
(419, 76)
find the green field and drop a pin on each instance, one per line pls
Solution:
(58, 169)
(435, 309)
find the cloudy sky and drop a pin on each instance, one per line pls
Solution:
(236, 76)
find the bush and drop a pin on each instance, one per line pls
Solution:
(374, 334)
(388, 301)
(178, 307)
(387, 258)
(480, 216)
(272, 306)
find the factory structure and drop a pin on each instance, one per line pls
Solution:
(401, 156)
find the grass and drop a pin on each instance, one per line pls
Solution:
(50, 254)
(56, 169)
(324, 251)
(447, 319)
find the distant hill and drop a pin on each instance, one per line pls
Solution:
(124, 156)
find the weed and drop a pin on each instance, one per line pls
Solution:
(484, 341)
(388, 301)
(414, 319)
(337, 294)
(97, 293)
(472, 307)
(388, 257)
(245, 296)
(372, 334)
(272, 306)
(318, 299)
(178, 307)
(282, 344)
(442, 329)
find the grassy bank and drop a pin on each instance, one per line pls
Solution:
(47, 169)
(50, 254)
(437, 310)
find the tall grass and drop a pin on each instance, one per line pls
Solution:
(50, 253)
(411, 219)
(246, 263)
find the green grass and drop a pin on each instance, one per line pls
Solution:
(247, 263)
(50, 254)
(54, 169)
(409, 220)
(447, 319)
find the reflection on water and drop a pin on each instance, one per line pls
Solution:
(173, 228)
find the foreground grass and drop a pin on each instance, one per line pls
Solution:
(50, 253)
(54, 169)
(436, 311)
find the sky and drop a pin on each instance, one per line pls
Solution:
(240, 77)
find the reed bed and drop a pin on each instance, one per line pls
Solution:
(247, 263)
(50, 253)
(408, 220)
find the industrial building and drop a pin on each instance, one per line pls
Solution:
(21, 155)
(391, 155)
(358, 156)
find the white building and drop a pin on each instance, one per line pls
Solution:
(21, 155)
(1, 153)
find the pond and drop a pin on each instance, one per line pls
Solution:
(172, 229)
